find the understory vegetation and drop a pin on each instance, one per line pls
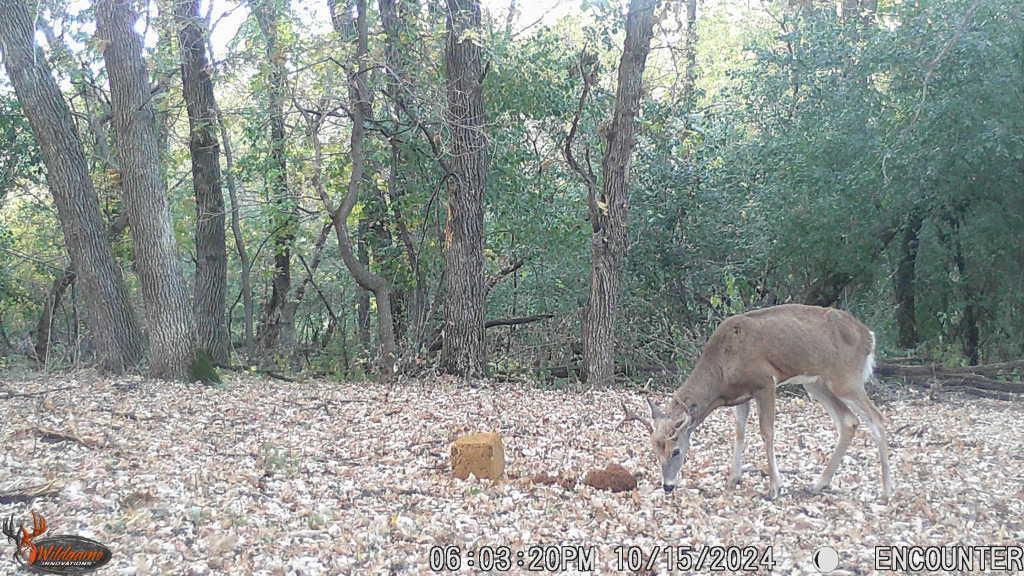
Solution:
(868, 156)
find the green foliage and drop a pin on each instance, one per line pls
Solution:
(790, 172)
(19, 155)
(811, 155)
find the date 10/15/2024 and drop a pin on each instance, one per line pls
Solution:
(558, 558)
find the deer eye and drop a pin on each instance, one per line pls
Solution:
(675, 452)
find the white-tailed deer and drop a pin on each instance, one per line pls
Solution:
(828, 351)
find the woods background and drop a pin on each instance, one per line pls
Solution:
(367, 187)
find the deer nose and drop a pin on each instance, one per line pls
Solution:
(668, 488)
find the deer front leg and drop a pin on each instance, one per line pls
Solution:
(742, 411)
(766, 418)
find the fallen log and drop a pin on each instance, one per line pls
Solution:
(996, 369)
(974, 377)
(438, 343)
(935, 389)
(517, 321)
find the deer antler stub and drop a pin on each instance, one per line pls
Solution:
(631, 416)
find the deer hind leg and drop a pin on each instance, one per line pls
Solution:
(742, 411)
(846, 426)
(861, 405)
(766, 418)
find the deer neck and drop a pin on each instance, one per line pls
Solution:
(697, 397)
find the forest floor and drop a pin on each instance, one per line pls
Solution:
(267, 477)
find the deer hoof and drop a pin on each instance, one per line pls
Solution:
(820, 487)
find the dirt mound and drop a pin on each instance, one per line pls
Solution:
(614, 478)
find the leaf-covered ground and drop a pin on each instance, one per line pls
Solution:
(268, 477)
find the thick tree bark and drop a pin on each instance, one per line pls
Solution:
(244, 264)
(169, 317)
(93, 108)
(905, 289)
(361, 111)
(108, 313)
(285, 205)
(211, 255)
(465, 295)
(609, 212)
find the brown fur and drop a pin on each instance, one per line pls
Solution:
(825, 349)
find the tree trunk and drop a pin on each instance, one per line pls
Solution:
(383, 246)
(690, 50)
(169, 317)
(108, 313)
(969, 323)
(609, 213)
(393, 17)
(211, 254)
(905, 287)
(292, 306)
(363, 294)
(463, 351)
(361, 111)
(5, 341)
(850, 9)
(45, 325)
(967, 330)
(244, 264)
(285, 205)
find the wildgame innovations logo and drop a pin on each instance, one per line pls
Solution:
(56, 554)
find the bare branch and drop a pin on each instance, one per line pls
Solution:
(964, 23)
(588, 71)
(504, 273)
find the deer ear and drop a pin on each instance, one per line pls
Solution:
(656, 412)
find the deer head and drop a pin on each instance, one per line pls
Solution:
(670, 439)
